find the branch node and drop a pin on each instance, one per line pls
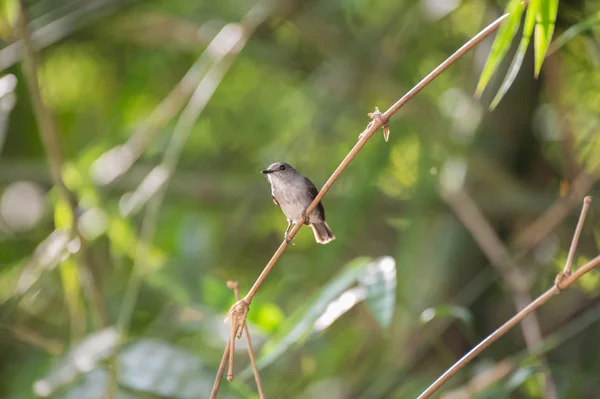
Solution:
(377, 116)
(560, 277)
(237, 314)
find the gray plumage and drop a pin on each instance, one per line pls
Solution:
(293, 193)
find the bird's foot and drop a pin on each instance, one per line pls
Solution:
(288, 240)
(306, 218)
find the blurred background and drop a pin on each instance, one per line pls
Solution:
(165, 111)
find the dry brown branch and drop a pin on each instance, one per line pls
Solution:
(486, 238)
(558, 286)
(241, 307)
(51, 142)
(229, 353)
(587, 201)
(234, 285)
(220, 371)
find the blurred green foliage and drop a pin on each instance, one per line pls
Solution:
(345, 320)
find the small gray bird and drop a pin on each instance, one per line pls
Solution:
(293, 193)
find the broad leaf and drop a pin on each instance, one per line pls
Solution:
(380, 282)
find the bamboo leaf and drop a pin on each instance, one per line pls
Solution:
(515, 66)
(544, 28)
(501, 44)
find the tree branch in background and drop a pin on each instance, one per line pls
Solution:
(486, 238)
(51, 142)
(559, 285)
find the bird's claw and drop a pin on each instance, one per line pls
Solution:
(288, 240)
(306, 218)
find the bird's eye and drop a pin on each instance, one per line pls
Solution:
(282, 167)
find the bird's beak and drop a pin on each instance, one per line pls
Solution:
(264, 172)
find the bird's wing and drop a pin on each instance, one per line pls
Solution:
(275, 201)
(313, 193)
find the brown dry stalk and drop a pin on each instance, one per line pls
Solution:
(239, 310)
(220, 372)
(228, 353)
(235, 287)
(562, 282)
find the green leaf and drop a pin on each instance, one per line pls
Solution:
(517, 61)
(546, 18)
(574, 31)
(501, 44)
(380, 282)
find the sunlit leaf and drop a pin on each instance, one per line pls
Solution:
(501, 44)
(380, 282)
(574, 31)
(517, 61)
(544, 28)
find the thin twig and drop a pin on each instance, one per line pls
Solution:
(231, 353)
(569, 263)
(377, 123)
(51, 142)
(236, 291)
(555, 289)
(220, 372)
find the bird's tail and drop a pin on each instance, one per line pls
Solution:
(323, 233)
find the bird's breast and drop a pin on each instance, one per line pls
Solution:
(293, 201)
